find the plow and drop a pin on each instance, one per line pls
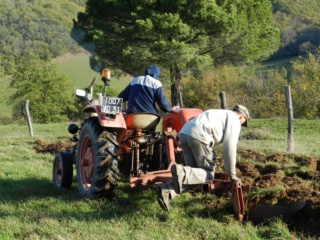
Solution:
(221, 185)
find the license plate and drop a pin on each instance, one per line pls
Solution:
(111, 105)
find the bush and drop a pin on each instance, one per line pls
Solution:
(257, 134)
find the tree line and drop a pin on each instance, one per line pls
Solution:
(203, 47)
(52, 100)
(42, 28)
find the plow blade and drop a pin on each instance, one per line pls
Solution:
(221, 185)
(263, 213)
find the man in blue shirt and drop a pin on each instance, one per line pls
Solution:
(144, 92)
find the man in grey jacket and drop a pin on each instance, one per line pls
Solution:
(197, 140)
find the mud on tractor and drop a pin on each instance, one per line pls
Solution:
(111, 145)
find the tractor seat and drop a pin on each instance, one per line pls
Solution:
(143, 121)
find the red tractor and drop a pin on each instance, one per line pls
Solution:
(111, 146)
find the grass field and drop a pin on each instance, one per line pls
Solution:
(277, 64)
(32, 208)
(77, 68)
(274, 133)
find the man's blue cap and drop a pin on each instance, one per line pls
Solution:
(153, 71)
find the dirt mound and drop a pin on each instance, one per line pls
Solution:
(279, 180)
(282, 180)
(42, 147)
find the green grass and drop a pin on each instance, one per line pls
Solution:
(32, 208)
(277, 64)
(305, 136)
(77, 68)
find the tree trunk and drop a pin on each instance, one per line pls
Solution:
(175, 80)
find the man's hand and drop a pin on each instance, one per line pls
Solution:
(175, 107)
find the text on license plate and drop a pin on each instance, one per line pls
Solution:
(111, 105)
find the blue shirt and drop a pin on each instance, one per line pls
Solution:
(142, 94)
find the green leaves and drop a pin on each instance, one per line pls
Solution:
(49, 93)
(305, 85)
(177, 34)
(162, 26)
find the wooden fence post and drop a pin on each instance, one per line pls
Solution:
(290, 118)
(222, 96)
(28, 118)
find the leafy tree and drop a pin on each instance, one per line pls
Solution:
(1, 67)
(98, 88)
(49, 93)
(204, 92)
(263, 94)
(178, 35)
(305, 83)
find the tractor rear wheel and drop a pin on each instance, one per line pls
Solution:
(62, 171)
(96, 163)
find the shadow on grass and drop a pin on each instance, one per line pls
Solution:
(39, 198)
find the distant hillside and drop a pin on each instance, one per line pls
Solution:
(44, 28)
(299, 22)
(36, 28)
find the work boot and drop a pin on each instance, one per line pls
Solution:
(178, 175)
(163, 196)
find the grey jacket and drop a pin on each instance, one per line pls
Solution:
(217, 126)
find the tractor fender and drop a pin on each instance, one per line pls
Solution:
(115, 121)
(178, 117)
